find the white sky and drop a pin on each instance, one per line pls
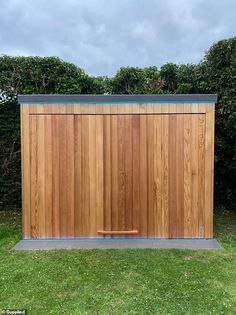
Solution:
(100, 36)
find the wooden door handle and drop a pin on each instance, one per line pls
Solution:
(118, 232)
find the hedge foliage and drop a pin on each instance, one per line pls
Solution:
(216, 73)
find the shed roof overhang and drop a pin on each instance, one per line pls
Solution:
(129, 98)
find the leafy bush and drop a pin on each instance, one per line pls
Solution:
(215, 74)
(10, 171)
(219, 68)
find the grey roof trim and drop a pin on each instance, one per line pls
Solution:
(90, 98)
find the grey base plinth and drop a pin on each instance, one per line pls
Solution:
(117, 244)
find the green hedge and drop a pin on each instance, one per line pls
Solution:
(215, 74)
(10, 174)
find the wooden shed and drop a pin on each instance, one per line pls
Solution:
(96, 166)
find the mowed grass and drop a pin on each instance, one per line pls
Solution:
(118, 281)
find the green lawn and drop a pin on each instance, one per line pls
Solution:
(119, 281)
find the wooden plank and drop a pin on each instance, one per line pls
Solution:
(48, 174)
(44, 109)
(106, 109)
(150, 175)
(99, 172)
(194, 108)
(209, 169)
(164, 175)
(63, 206)
(135, 108)
(70, 108)
(99, 109)
(194, 177)
(149, 108)
(201, 174)
(92, 176)
(31, 110)
(85, 209)
(157, 109)
(55, 176)
(172, 200)
(136, 170)
(118, 109)
(179, 175)
(187, 108)
(69, 174)
(62, 109)
(202, 108)
(143, 177)
(113, 109)
(40, 108)
(157, 173)
(165, 108)
(212, 110)
(78, 188)
(126, 108)
(41, 176)
(107, 171)
(25, 158)
(128, 173)
(121, 173)
(114, 173)
(187, 176)
(90, 109)
(172, 108)
(33, 178)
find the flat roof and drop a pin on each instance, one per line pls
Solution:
(122, 98)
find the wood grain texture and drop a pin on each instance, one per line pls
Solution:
(115, 169)
(187, 187)
(164, 176)
(143, 178)
(209, 170)
(136, 171)
(116, 109)
(41, 176)
(48, 184)
(100, 173)
(157, 175)
(112, 232)
(114, 174)
(150, 177)
(63, 206)
(25, 171)
(107, 172)
(33, 178)
(179, 176)
(55, 176)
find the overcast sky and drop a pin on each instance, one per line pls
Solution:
(100, 36)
